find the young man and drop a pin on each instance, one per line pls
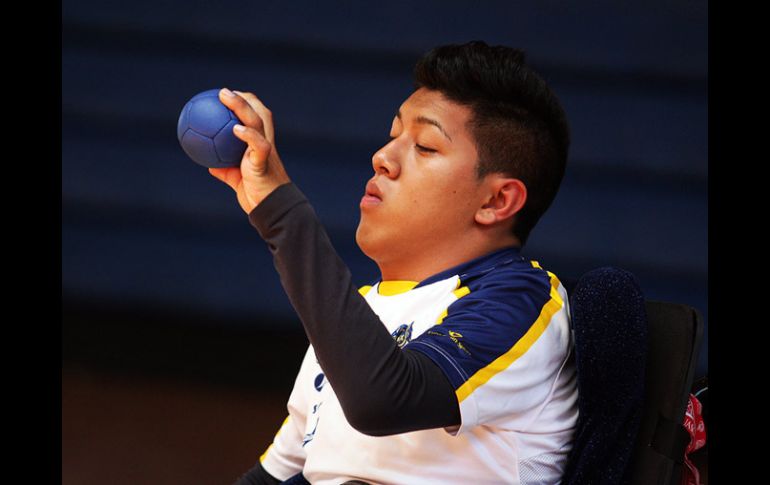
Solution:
(454, 367)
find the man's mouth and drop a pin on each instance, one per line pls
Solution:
(372, 196)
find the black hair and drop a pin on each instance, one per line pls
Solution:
(518, 123)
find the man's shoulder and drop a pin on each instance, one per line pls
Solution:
(513, 290)
(511, 275)
(513, 301)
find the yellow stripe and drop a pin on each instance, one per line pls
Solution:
(262, 458)
(442, 316)
(520, 348)
(459, 293)
(536, 264)
(364, 289)
(390, 288)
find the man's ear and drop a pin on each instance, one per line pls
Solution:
(503, 199)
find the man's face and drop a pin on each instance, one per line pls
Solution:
(424, 192)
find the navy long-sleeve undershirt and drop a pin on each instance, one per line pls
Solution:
(382, 389)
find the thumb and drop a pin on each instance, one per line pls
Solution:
(255, 161)
(229, 175)
(218, 173)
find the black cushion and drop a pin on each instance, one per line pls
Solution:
(609, 322)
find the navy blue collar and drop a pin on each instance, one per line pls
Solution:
(477, 266)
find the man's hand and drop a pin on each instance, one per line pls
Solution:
(261, 169)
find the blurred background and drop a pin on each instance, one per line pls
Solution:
(179, 347)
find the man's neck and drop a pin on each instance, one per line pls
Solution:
(417, 267)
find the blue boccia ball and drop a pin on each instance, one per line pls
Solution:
(205, 131)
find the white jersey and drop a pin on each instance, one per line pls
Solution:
(498, 327)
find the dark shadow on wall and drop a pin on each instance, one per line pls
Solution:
(161, 397)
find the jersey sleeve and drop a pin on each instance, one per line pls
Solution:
(285, 457)
(502, 346)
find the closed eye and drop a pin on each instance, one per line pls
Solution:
(419, 148)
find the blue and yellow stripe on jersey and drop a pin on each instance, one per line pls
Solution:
(504, 304)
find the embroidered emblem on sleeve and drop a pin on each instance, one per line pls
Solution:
(403, 334)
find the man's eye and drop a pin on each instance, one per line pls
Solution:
(424, 149)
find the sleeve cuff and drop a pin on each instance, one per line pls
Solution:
(275, 206)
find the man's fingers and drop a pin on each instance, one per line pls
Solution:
(242, 109)
(264, 113)
(258, 149)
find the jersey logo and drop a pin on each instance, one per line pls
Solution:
(453, 336)
(309, 436)
(319, 382)
(403, 334)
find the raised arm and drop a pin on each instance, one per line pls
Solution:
(381, 388)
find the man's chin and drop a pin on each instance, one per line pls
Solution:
(365, 239)
(361, 239)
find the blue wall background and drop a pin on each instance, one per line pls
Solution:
(144, 227)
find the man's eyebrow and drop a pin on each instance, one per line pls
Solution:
(427, 121)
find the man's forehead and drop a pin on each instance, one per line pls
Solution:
(427, 100)
(433, 105)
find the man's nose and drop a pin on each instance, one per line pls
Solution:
(385, 163)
